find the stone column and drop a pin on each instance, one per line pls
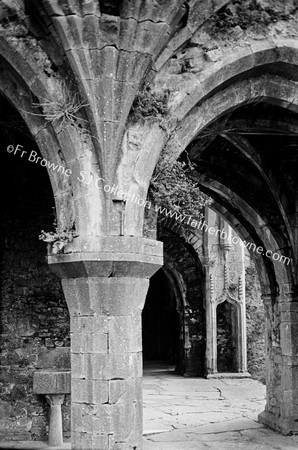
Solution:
(105, 292)
(211, 353)
(281, 411)
(55, 426)
(242, 311)
(242, 344)
(211, 329)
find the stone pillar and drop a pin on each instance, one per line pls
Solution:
(105, 292)
(241, 333)
(55, 426)
(281, 411)
(242, 319)
(211, 327)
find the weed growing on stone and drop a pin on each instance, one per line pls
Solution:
(174, 187)
(247, 13)
(62, 108)
(58, 239)
(10, 15)
(149, 105)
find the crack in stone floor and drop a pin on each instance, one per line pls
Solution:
(195, 413)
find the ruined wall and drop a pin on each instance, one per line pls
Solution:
(232, 29)
(255, 323)
(34, 315)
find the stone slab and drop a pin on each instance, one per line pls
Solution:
(52, 381)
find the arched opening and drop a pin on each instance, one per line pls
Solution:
(245, 161)
(226, 337)
(188, 279)
(161, 322)
(241, 134)
(33, 312)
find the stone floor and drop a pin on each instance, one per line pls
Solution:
(194, 414)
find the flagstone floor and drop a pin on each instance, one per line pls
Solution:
(195, 413)
(198, 414)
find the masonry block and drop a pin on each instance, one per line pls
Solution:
(51, 381)
(125, 334)
(124, 391)
(91, 391)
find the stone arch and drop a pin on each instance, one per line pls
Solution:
(271, 89)
(15, 59)
(188, 235)
(251, 154)
(236, 334)
(161, 318)
(47, 142)
(202, 106)
(223, 93)
(266, 273)
(62, 146)
(271, 273)
(254, 60)
(244, 92)
(192, 358)
(195, 15)
(208, 104)
(178, 285)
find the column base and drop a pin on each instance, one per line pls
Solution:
(284, 426)
(190, 374)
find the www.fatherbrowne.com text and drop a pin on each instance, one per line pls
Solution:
(100, 183)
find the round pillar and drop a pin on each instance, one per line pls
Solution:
(55, 426)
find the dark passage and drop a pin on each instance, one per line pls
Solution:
(226, 346)
(160, 321)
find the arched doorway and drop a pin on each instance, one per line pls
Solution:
(227, 337)
(161, 322)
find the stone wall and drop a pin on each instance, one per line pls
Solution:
(255, 323)
(34, 315)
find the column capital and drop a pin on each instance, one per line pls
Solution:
(111, 256)
(206, 261)
(55, 399)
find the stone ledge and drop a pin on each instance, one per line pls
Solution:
(84, 265)
(118, 245)
(52, 381)
(211, 376)
(111, 257)
(32, 445)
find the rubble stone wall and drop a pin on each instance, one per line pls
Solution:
(34, 315)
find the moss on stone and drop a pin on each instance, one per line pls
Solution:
(149, 105)
(246, 14)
